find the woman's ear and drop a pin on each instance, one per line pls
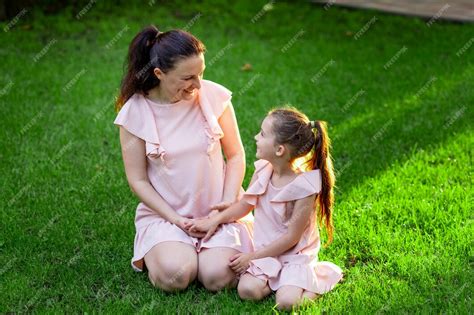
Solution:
(158, 73)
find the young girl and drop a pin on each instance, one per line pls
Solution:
(285, 198)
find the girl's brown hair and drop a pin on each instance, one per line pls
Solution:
(152, 49)
(293, 128)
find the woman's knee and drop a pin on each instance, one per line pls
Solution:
(171, 265)
(217, 278)
(172, 277)
(214, 271)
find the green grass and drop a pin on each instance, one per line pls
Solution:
(402, 148)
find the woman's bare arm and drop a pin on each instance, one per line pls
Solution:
(134, 158)
(234, 153)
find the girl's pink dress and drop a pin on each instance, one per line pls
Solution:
(299, 265)
(185, 166)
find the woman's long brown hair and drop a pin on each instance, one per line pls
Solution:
(152, 49)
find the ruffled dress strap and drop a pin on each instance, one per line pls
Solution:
(137, 117)
(213, 99)
(304, 185)
(263, 173)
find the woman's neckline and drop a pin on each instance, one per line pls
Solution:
(182, 101)
(154, 103)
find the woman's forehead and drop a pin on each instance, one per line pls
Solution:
(191, 65)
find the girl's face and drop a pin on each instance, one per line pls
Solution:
(183, 81)
(265, 139)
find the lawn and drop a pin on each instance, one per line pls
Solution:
(396, 92)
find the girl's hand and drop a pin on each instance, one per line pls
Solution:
(183, 223)
(207, 225)
(212, 213)
(240, 262)
(215, 209)
(221, 206)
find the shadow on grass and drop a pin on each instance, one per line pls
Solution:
(364, 150)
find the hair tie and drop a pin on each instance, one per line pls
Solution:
(312, 123)
(153, 41)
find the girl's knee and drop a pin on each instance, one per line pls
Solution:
(285, 302)
(248, 291)
(308, 295)
(288, 296)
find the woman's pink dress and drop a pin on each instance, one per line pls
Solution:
(185, 166)
(299, 265)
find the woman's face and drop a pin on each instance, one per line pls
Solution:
(183, 81)
(265, 140)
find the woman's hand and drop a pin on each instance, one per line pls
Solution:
(183, 223)
(207, 225)
(240, 262)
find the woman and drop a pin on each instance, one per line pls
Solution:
(174, 127)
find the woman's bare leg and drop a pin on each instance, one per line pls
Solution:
(214, 271)
(171, 265)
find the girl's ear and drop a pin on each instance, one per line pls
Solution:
(281, 150)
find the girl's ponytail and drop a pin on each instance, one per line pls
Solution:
(322, 160)
(292, 127)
